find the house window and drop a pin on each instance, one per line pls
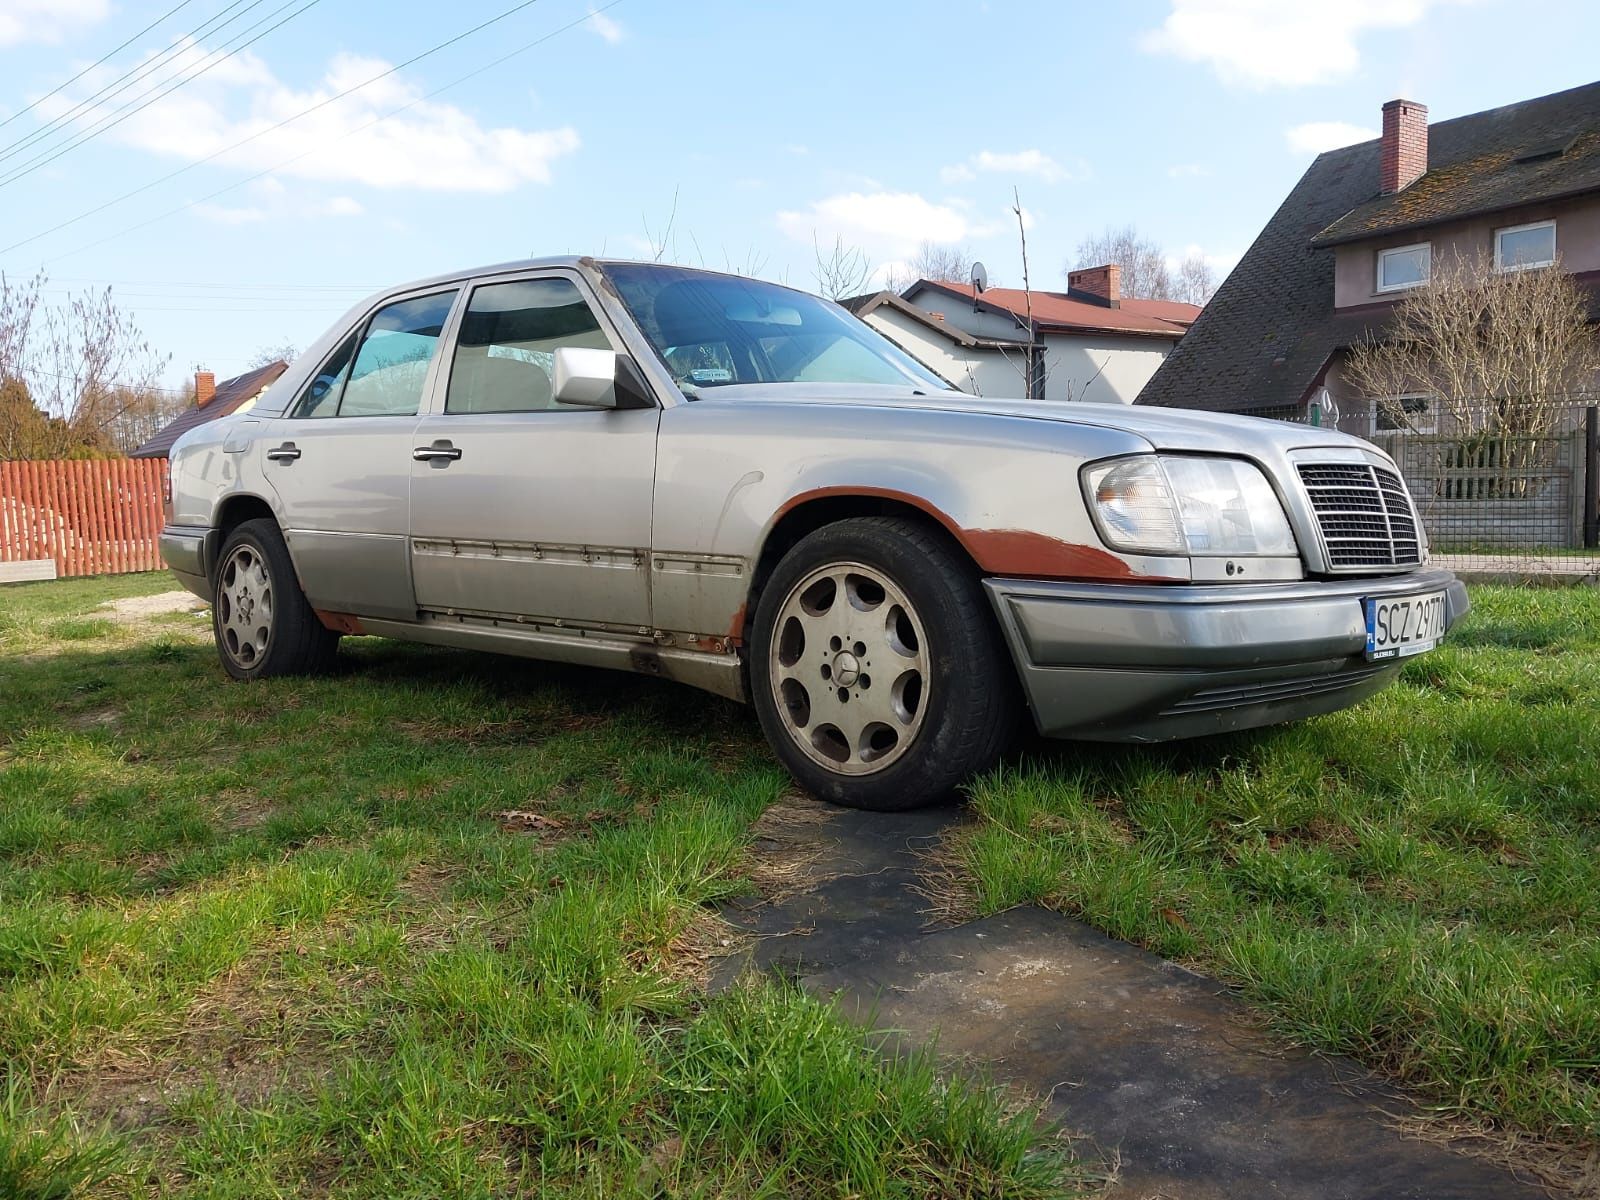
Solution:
(1519, 247)
(1412, 413)
(1403, 267)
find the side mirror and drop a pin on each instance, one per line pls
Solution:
(590, 378)
(586, 377)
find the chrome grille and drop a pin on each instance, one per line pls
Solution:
(1365, 515)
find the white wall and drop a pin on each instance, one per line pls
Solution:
(981, 372)
(1100, 369)
(959, 313)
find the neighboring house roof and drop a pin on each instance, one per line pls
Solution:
(1266, 336)
(1538, 150)
(1059, 312)
(231, 395)
(865, 306)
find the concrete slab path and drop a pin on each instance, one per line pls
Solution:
(1158, 1067)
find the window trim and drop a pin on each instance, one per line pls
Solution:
(446, 361)
(1379, 288)
(1421, 429)
(1499, 264)
(359, 331)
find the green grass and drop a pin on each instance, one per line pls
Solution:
(1415, 882)
(274, 940)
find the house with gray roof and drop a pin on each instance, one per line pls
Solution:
(1365, 224)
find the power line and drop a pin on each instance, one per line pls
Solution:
(101, 61)
(272, 128)
(128, 78)
(105, 124)
(523, 49)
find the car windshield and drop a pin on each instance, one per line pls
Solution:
(714, 330)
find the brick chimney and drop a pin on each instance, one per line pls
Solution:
(205, 387)
(1103, 283)
(1403, 150)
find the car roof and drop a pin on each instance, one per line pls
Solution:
(570, 261)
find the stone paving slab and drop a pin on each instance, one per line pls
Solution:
(1157, 1066)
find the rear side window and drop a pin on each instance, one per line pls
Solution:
(385, 376)
(505, 355)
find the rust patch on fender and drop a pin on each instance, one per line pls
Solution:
(340, 622)
(736, 627)
(1019, 552)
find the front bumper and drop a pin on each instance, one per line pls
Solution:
(1114, 662)
(188, 551)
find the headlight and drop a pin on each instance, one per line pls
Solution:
(1182, 504)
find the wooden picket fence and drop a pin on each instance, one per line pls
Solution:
(92, 517)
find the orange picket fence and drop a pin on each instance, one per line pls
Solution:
(93, 517)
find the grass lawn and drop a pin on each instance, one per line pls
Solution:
(1414, 882)
(284, 940)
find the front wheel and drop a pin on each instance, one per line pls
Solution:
(876, 668)
(263, 623)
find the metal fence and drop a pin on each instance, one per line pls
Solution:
(1506, 487)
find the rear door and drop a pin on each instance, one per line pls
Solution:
(340, 460)
(521, 506)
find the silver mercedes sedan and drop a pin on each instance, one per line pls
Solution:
(742, 487)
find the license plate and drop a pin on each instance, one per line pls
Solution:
(1402, 625)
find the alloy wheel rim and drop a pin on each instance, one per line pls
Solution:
(244, 606)
(848, 663)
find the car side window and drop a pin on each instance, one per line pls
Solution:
(505, 354)
(320, 397)
(392, 364)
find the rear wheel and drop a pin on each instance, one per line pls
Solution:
(877, 671)
(263, 623)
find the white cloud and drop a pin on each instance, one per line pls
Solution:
(48, 20)
(1035, 163)
(429, 146)
(1188, 170)
(890, 223)
(604, 26)
(1316, 136)
(1264, 43)
(273, 201)
(891, 226)
(341, 206)
(221, 214)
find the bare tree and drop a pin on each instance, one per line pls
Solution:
(83, 366)
(265, 356)
(1195, 282)
(1499, 353)
(951, 264)
(1143, 263)
(843, 271)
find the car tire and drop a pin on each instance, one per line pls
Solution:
(885, 615)
(263, 623)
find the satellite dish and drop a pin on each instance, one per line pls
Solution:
(980, 277)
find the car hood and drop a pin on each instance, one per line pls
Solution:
(1163, 428)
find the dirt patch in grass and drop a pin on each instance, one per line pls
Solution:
(785, 849)
(248, 1035)
(133, 610)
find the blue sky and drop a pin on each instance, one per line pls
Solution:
(887, 123)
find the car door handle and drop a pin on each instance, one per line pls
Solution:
(440, 454)
(287, 452)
